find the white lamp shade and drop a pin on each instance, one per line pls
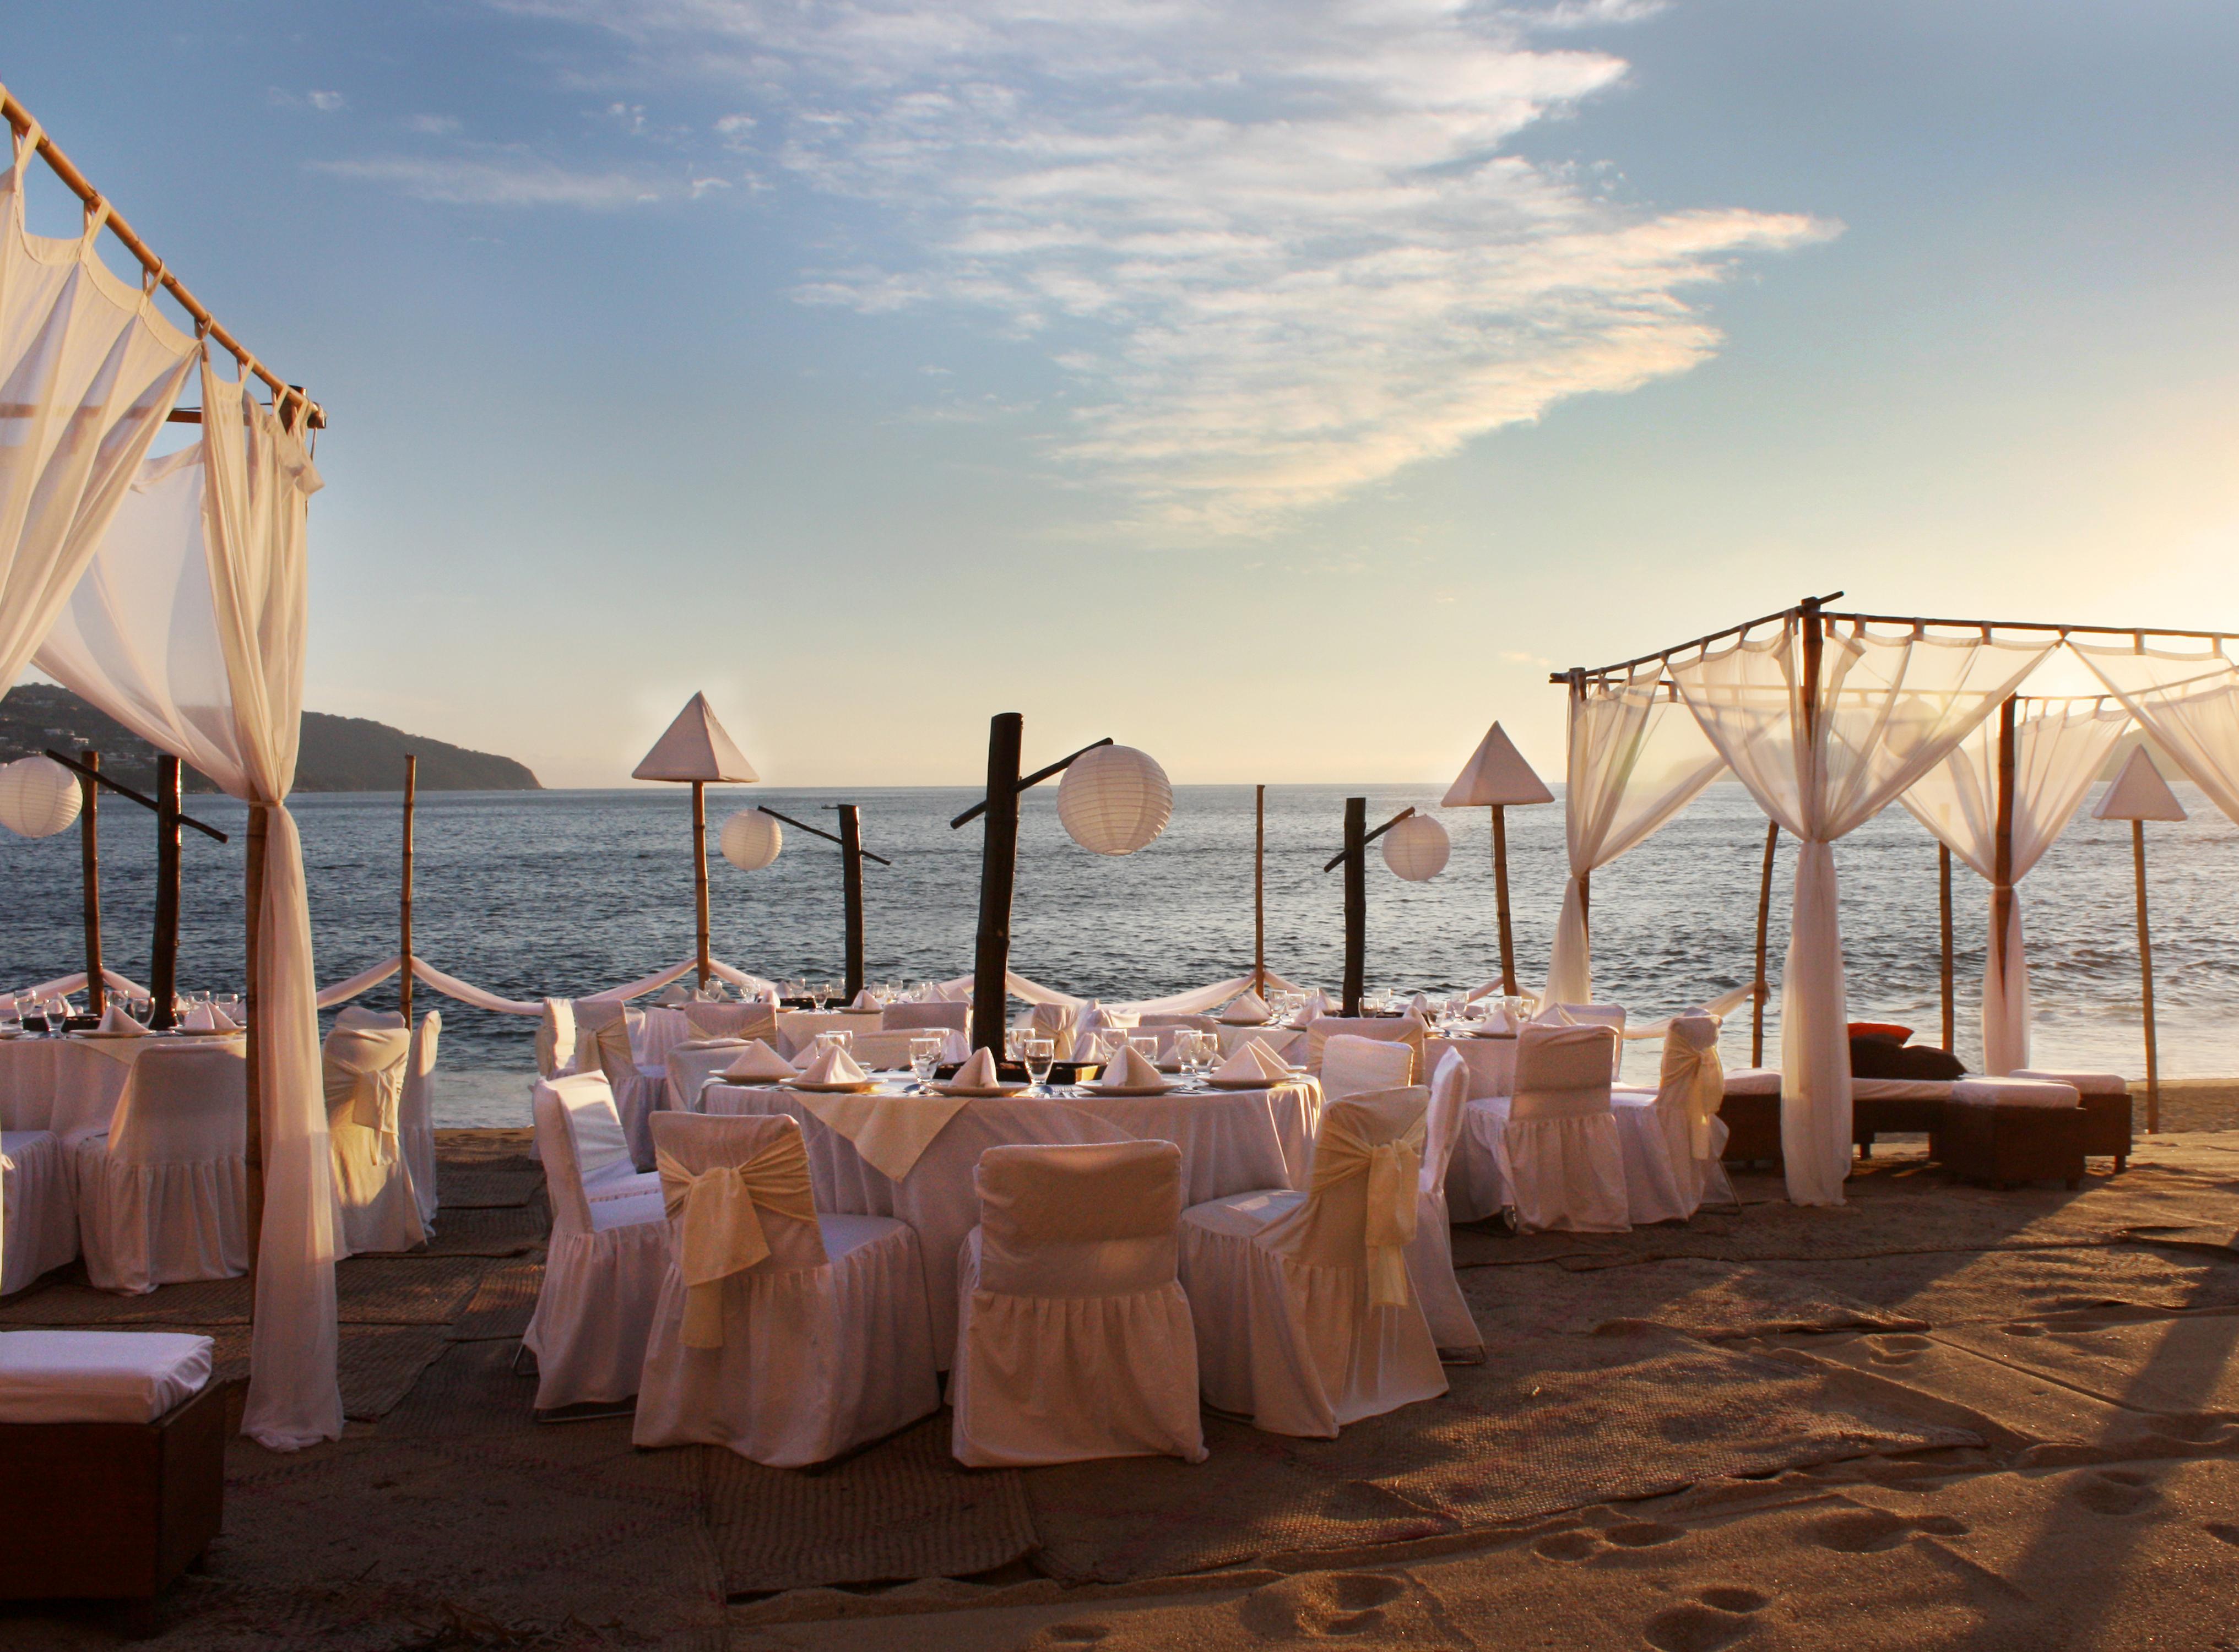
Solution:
(1114, 800)
(1417, 848)
(751, 839)
(38, 797)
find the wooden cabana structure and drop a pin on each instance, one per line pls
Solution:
(1826, 717)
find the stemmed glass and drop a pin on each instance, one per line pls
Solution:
(924, 1056)
(1042, 1054)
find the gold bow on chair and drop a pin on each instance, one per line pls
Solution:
(363, 1070)
(1705, 1075)
(1392, 1169)
(719, 1234)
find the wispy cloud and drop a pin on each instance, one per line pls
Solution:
(503, 178)
(325, 103)
(1284, 251)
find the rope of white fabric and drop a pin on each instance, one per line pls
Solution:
(482, 999)
(1392, 1169)
(718, 1233)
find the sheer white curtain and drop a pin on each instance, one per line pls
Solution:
(2188, 702)
(88, 371)
(189, 628)
(1636, 760)
(1886, 709)
(2059, 746)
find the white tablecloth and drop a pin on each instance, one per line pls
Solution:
(67, 1085)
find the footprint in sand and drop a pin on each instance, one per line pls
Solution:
(1716, 1617)
(1867, 1532)
(2114, 1491)
(1642, 1534)
(2228, 1534)
(1898, 1350)
(1072, 1635)
(1571, 1546)
(1322, 1604)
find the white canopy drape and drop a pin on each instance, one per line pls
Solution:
(88, 372)
(2059, 746)
(2188, 702)
(189, 628)
(1636, 760)
(1821, 758)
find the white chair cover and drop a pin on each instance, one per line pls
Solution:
(555, 1039)
(898, 1018)
(38, 1207)
(163, 1195)
(363, 1071)
(1355, 1066)
(1055, 1022)
(726, 1020)
(1430, 1253)
(602, 1265)
(1073, 1338)
(1684, 1118)
(1305, 1318)
(1407, 1029)
(1565, 1162)
(415, 1114)
(887, 1051)
(786, 1336)
(356, 1015)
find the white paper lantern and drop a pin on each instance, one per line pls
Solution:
(751, 839)
(38, 797)
(1417, 848)
(1114, 800)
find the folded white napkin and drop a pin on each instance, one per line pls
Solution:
(833, 1065)
(1499, 1020)
(113, 1020)
(678, 994)
(1246, 1009)
(977, 1073)
(205, 1018)
(1252, 1062)
(758, 1062)
(863, 1000)
(1132, 1072)
(1315, 1007)
(1420, 1004)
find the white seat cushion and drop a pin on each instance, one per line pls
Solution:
(2014, 1093)
(1753, 1081)
(98, 1376)
(1243, 1214)
(629, 1208)
(2088, 1084)
(1902, 1089)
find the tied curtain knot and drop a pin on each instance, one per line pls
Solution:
(718, 1232)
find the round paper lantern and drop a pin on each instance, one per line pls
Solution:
(38, 797)
(1417, 848)
(751, 839)
(1114, 800)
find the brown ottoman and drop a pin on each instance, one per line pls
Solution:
(1752, 1113)
(112, 1449)
(1897, 1106)
(2003, 1130)
(2106, 1110)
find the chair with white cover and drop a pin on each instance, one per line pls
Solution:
(1672, 1136)
(356, 1015)
(1591, 1015)
(1305, 1317)
(1055, 1023)
(602, 1263)
(1430, 1253)
(889, 1051)
(723, 1020)
(1073, 1339)
(415, 1114)
(595, 1138)
(1355, 1066)
(163, 1194)
(556, 1038)
(1401, 1029)
(38, 1207)
(786, 1336)
(607, 1035)
(362, 1068)
(905, 1018)
(1564, 1159)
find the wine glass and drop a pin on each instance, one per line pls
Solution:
(1042, 1054)
(924, 1056)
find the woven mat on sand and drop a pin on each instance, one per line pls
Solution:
(475, 1188)
(902, 1509)
(1558, 1425)
(371, 1290)
(500, 1308)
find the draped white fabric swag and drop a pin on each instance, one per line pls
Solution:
(2059, 746)
(188, 628)
(1636, 760)
(1887, 710)
(2188, 702)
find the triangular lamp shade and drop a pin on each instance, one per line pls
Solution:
(1496, 774)
(694, 749)
(2139, 793)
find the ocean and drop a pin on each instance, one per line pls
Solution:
(567, 893)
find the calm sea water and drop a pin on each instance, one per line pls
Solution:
(565, 892)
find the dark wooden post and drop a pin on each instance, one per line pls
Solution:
(1944, 915)
(2001, 883)
(404, 898)
(2146, 977)
(1356, 901)
(164, 966)
(1260, 889)
(699, 875)
(1761, 991)
(999, 862)
(259, 821)
(1500, 900)
(850, 891)
(88, 842)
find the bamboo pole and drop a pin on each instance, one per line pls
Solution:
(998, 864)
(259, 822)
(1260, 889)
(2146, 979)
(88, 842)
(1500, 900)
(1356, 901)
(1760, 991)
(164, 965)
(1944, 914)
(404, 888)
(851, 892)
(699, 875)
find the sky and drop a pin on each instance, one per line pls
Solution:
(1283, 388)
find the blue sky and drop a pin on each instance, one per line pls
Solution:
(1281, 388)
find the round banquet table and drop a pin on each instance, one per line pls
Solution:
(67, 1085)
(1230, 1141)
